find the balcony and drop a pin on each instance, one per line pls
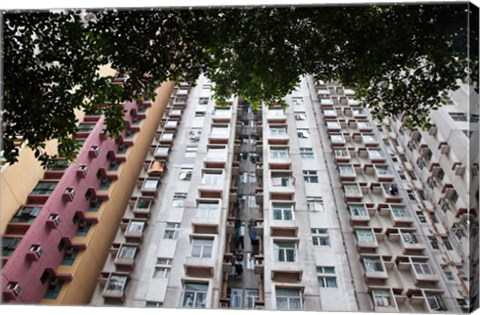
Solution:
(143, 207)
(115, 286)
(383, 174)
(282, 182)
(148, 186)
(125, 256)
(160, 152)
(400, 216)
(410, 243)
(170, 124)
(166, 137)
(155, 168)
(352, 192)
(390, 193)
(133, 229)
(329, 114)
(419, 268)
(276, 115)
(374, 268)
(359, 216)
(347, 172)
(22, 220)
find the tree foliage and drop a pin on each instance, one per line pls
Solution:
(401, 59)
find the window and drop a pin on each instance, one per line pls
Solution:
(84, 127)
(191, 151)
(207, 210)
(171, 231)
(219, 131)
(421, 216)
(53, 289)
(315, 204)
(375, 154)
(399, 212)
(458, 116)
(285, 251)
(282, 211)
(339, 153)
(368, 139)
(251, 296)
(150, 184)
(454, 197)
(281, 179)
(185, 173)
(320, 237)
(69, 257)
(278, 131)
(409, 237)
(382, 298)
(127, 252)
(310, 177)
(59, 165)
(117, 283)
(421, 267)
(44, 188)
(289, 299)
(202, 247)
(300, 116)
(278, 153)
(436, 303)
(373, 264)
(44, 277)
(299, 101)
(276, 113)
(216, 152)
(447, 243)
(306, 153)
(474, 118)
(303, 133)
(203, 100)
(179, 200)
(195, 295)
(326, 277)
(352, 190)
(236, 298)
(26, 214)
(83, 229)
(365, 235)
(163, 267)
(433, 242)
(336, 138)
(345, 170)
(363, 124)
(153, 304)
(333, 124)
(135, 227)
(357, 210)
(211, 179)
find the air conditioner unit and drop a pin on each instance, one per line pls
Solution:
(69, 194)
(83, 171)
(14, 287)
(94, 151)
(55, 219)
(37, 249)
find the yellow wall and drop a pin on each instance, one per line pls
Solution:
(18, 180)
(90, 262)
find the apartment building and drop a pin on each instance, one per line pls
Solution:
(311, 207)
(58, 223)
(412, 258)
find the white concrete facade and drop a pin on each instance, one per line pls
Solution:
(341, 223)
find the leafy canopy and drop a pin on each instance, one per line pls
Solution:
(401, 60)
